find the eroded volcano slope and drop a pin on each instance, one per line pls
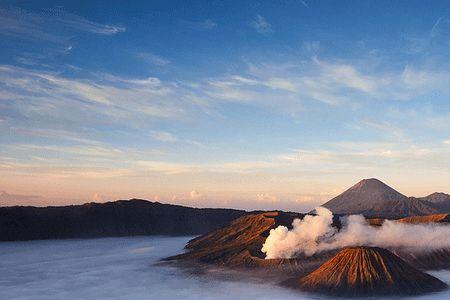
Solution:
(368, 271)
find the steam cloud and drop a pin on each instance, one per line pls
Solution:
(315, 234)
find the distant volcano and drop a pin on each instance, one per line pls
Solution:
(368, 271)
(373, 198)
(439, 200)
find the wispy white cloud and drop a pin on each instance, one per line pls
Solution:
(105, 161)
(153, 59)
(424, 79)
(330, 82)
(437, 37)
(28, 24)
(204, 25)
(83, 151)
(37, 94)
(304, 3)
(374, 156)
(288, 88)
(55, 134)
(55, 26)
(261, 25)
(311, 47)
(347, 76)
(7, 199)
(388, 128)
(208, 24)
(167, 137)
(96, 197)
(265, 197)
(164, 136)
(82, 24)
(440, 27)
(194, 194)
(418, 118)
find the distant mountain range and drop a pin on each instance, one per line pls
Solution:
(373, 198)
(118, 218)
(369, 197)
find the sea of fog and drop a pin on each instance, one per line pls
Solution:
(124, 268)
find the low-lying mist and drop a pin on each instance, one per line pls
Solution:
(315, 234)
(125, 269)
(118, 269)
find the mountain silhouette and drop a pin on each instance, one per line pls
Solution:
(373, 198)
(117, 218)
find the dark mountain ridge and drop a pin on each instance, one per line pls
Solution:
(118, 218)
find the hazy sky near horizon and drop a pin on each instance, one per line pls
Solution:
(261, 104)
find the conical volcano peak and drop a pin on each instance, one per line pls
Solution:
(373, 188)
(368, 271)
(371, 184)
(372, 197)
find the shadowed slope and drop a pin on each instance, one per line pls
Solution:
(367, 271)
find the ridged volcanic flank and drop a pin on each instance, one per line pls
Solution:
(368, 271)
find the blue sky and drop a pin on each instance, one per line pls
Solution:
(267, 104)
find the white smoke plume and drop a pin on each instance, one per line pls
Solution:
(315, 234)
